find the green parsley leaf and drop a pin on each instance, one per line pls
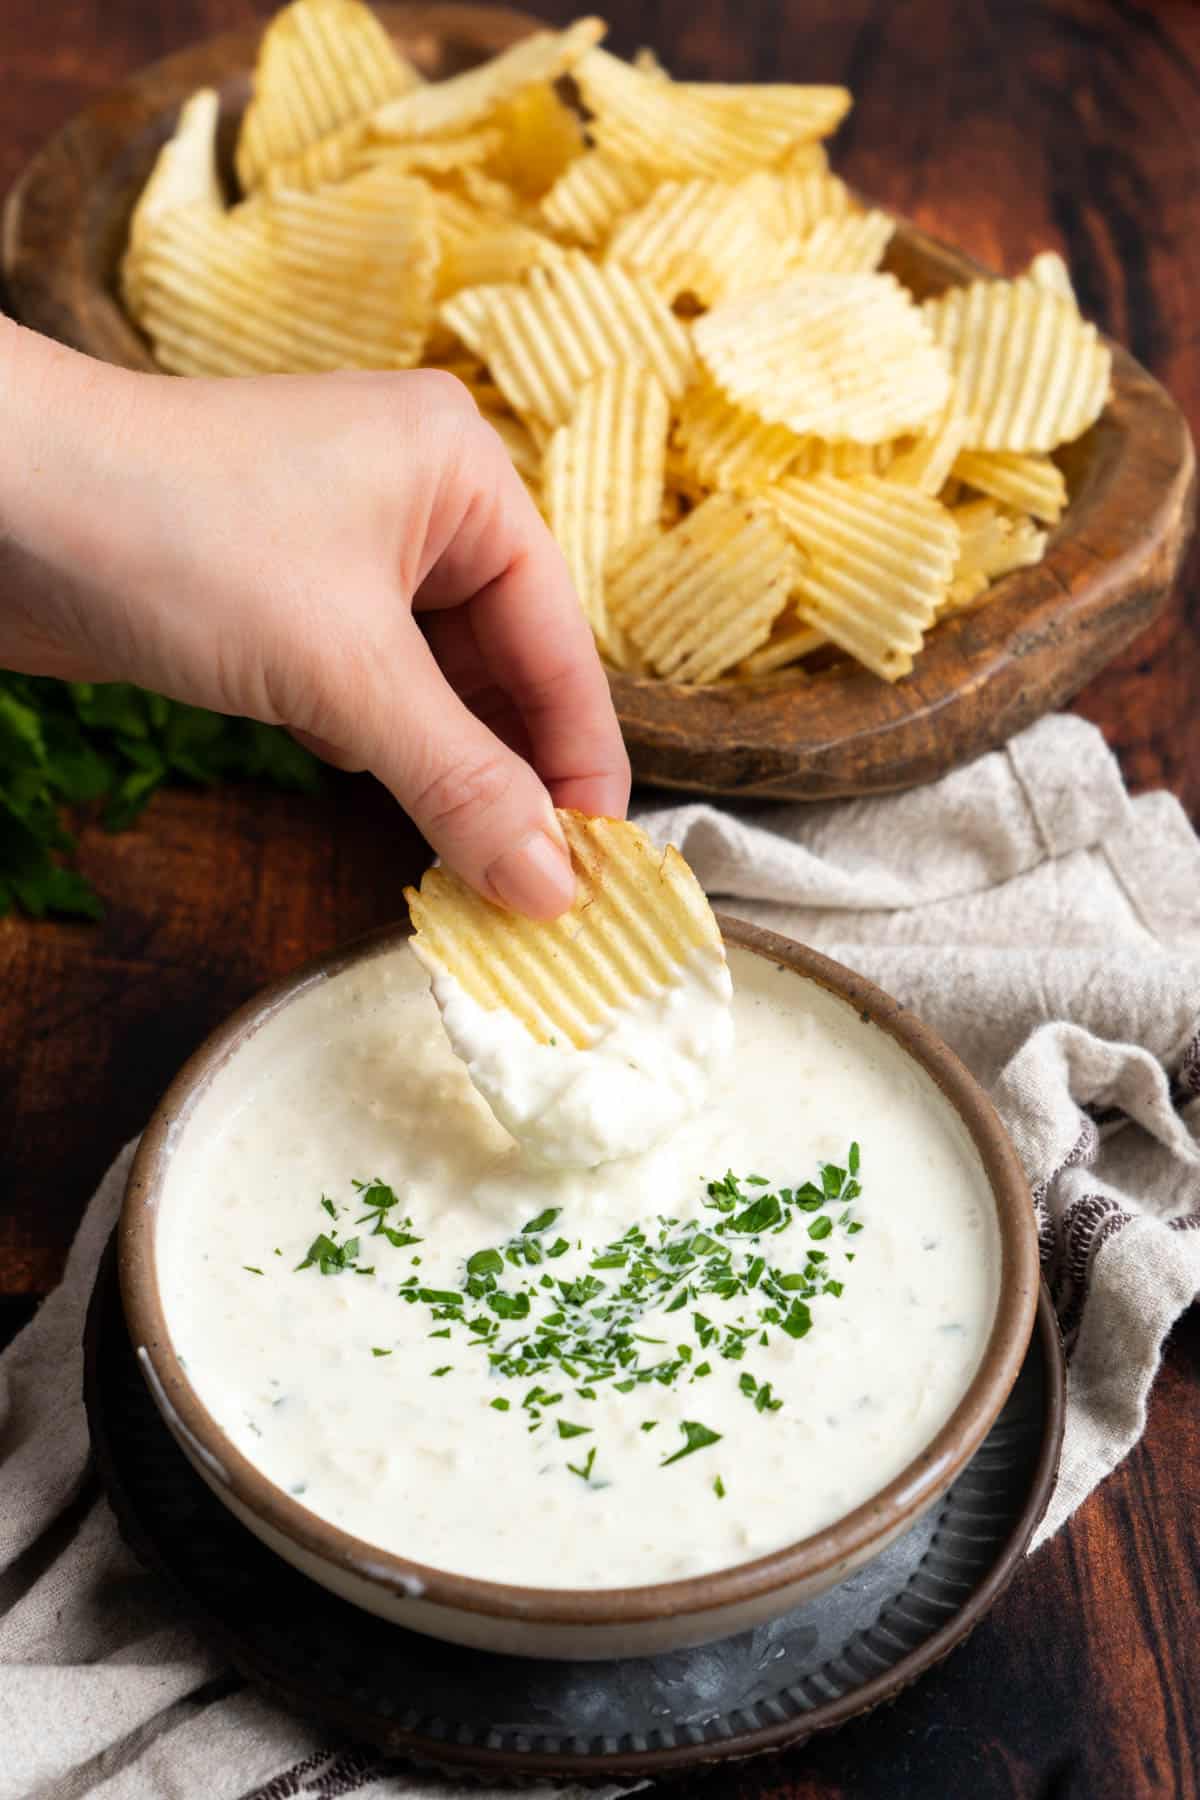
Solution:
(330, 1258)
(567, 1430)
(696, 1436)
(509, 1306)
(759, 1216)
(797, 1321)
(74, 744)
(250, 1269)
(543, 1222)
(440, 1296)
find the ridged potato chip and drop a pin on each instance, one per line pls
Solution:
(846, 244)
(480, 247)
(790, 639)
(184, 175)
(927, 461)
(1028, 370)
(484, 190)
(519, 442)
(185, 170)
(991, 543)
(263, 289)
(834, 356)
(540, 138)
(807, 196)
(879, 562)
(682, 129)
(321, 64)
(465, 100)
(592, 194)
(646, 61)
(808, 158)
(638, 917)
(1031, 484)
(1049, 271)
(706, 238)
(816, 456)
(355, 149)
(568, 320)
(674, 238)
(465, 316)
(330, 158)
(969, 589)
(699, 598)
(602, 480)
(721, 445)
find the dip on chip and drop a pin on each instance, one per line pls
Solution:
(596, 1034)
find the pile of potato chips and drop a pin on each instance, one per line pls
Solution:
(751, 442)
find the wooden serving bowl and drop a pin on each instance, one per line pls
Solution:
(983, 675)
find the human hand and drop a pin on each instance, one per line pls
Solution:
(351, 555)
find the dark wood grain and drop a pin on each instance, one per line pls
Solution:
(1005, 128)
(982, 676)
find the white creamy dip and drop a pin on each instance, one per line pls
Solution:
(389, 1417)
(647, 1069)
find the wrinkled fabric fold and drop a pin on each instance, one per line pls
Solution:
(1048, 927)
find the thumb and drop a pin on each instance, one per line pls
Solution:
(480, 806)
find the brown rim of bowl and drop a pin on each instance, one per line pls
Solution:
(902, 1499)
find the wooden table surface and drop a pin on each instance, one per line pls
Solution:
(1007, 127)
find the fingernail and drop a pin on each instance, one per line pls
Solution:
(534, 877)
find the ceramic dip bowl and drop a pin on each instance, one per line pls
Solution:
(704, 1593)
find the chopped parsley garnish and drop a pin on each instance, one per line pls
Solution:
(330, 1258)
(379, 1199)
(584, 1470)
(543, 1222)
(72, 747)
(696, 1437)
(744, 1269)
(375, 1351)
(250, 1269)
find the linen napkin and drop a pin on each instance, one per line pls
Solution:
(1045, 923)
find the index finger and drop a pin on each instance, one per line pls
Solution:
(506, 578)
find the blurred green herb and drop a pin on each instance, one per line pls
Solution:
(72, 744)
